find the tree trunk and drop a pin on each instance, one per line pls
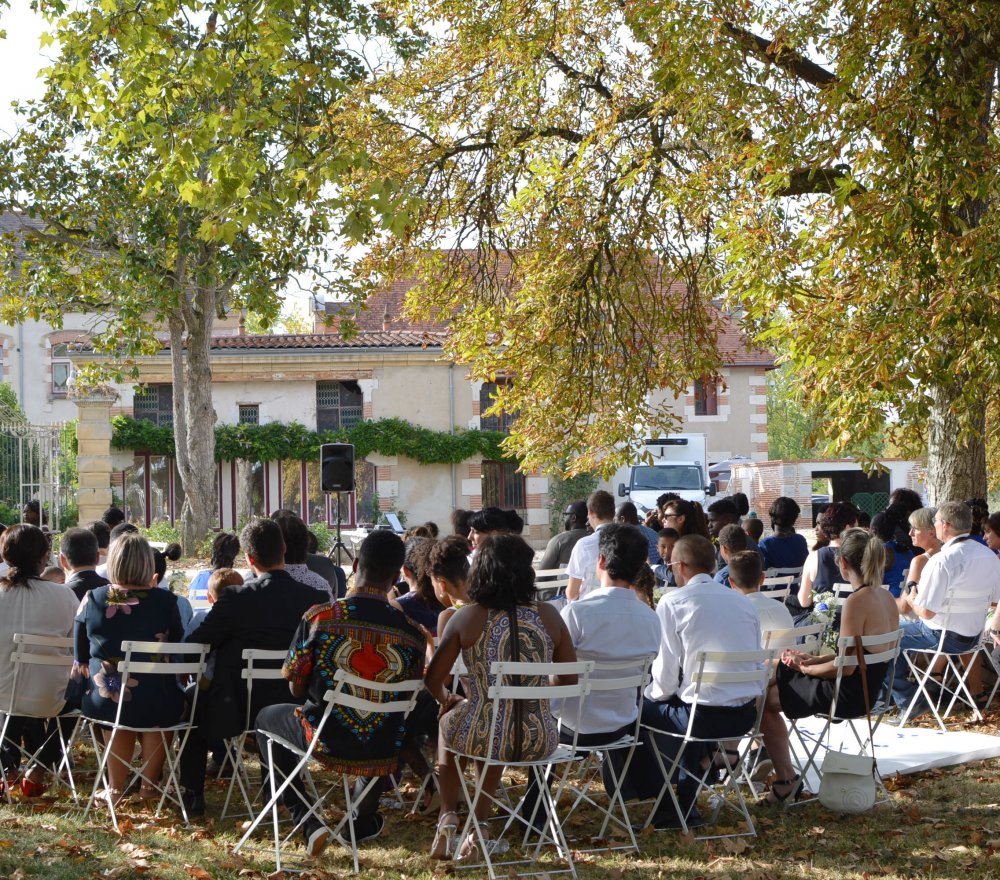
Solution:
(194, 416)
(954, 472)
(244, 491)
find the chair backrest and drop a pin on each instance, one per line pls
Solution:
(794, 573)
(502, 688)
(886, 643)
(841, 591)
(777, 587)
(804, 638)
(406, 692)
(731, 667)
(254, 669)
(550, 582)
(961, 603)
(169, 658)
(32, 650)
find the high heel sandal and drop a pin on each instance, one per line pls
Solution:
(443, 846)
(789, 797)
(470, 845)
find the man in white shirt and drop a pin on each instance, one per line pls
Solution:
(746, 574)
(962, 564)
(582, 568)
(609, 625)
(702, 616)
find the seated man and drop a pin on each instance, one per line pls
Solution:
(79, 555)
(263, 614)
(612, 625)
(746, 574)
(702, 616)
(296, 535)
(732, 539)
(358, 634)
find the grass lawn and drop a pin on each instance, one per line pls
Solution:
(943, 823)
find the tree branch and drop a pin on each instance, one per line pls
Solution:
(804, 181)
(586, 80)
(770, 52)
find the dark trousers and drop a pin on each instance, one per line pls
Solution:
(34, 734)
(644, 778)
(281, 721)
(530, 806)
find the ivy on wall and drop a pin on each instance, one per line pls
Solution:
(276, 441)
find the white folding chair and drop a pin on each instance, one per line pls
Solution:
(254, 669)
(40, 651)
(794, 573)
(752, 668)
(505, 688)
(550, 582)
(403, 697)
(886, 647)
(945, 672)
(802, 638)
(191, 664)
(607, 677)
(778, 586)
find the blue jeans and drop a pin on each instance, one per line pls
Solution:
(917, 634)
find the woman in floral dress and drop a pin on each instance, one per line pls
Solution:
(129, 608)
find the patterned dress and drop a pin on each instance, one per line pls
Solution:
(466, 728)
(364, 635)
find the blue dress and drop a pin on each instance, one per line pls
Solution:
(784, 551)
(107, 617)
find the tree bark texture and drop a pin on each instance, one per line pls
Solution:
(954, 472)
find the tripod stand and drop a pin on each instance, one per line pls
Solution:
(339, 546)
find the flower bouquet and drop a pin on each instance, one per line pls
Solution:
(826, 610)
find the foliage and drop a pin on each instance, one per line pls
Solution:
(565, 490)
(848, 212)
(791, 429)
(289, 321)
(325, 536)
(9, 401)
(161, 530)
(276, 441)
(9, 515)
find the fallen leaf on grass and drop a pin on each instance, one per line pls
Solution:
(199, 873)
(734, 845)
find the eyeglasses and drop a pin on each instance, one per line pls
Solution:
(671, 515)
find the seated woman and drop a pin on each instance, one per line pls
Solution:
(448, 565)
(922, 535)
(991, 532)
(225, 549)
(419, 603)
(803, 683)
(129, 608)
(42, 608)
(820, 571)
(784, 548)
(891, 527)
(502, 590)
(491, 521)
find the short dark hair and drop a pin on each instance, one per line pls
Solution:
(502, 577)
(733, 538)
(25, 549)
(225, 549)
(79, 546)
(296, 538)
(908, 498)
(432, 527)
(101, 531)
(264, 541)
(627, 513)
(123, 528)
(741, 501)
(461, 521)
(784, 511)
(380, 557)
(495, 519)
(753, 527)
(112, 516)
(625, 550)
(725, 507)
(697, 551)
(449, 559)
(665, 497)
(668, 533)
(745, 568)
(602, 505)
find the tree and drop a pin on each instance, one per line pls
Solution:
(179, 166)
(845, 209)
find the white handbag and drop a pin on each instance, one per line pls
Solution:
(847, 782)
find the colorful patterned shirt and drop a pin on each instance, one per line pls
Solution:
(366, 636)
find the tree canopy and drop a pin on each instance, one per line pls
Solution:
(827, 170)
(180, 165)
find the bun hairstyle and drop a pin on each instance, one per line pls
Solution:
(171, 552)
(865, 554)
(784, 512)
(25, 549)
(225, 548)
(493, 519)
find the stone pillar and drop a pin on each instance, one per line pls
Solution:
(93, 460)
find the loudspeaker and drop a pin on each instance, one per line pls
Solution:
(336, 467)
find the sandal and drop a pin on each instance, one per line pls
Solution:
(470, 846)
(794, 785)
(444, 837)
(148, 792)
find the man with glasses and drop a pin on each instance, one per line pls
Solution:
(560, 548)
(962, 565)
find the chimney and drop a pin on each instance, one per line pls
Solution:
(242, 324)
(386, 318)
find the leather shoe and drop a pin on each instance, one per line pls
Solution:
(194, 803)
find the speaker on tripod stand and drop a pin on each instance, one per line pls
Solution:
(336, 469)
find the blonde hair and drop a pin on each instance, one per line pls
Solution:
(131, 562)
(864, 554)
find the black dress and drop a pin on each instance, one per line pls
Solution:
(804, 695)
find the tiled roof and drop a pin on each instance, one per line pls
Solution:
(363, 339)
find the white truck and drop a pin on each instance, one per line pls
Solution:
(677, 463)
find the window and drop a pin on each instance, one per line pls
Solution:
(503, 486)
(154, 403)
(249, 413)
(706, 397)
(502, 421)
(62, 369)
(338, 405)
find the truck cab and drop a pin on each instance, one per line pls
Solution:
(678, 463)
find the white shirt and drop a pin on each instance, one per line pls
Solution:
(965, 565)
(772, 613)
(703, 616)
(583, 561)
(611, 625)
(42, 609)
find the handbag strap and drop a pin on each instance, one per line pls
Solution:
(515, 655)
(863, 672)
